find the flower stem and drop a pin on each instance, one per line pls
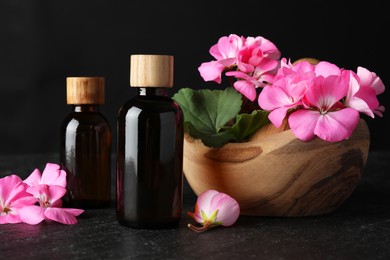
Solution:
(197, 229)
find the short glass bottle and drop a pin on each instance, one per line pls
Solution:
(150, 152)
(86, 145)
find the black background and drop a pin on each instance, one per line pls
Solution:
(44, 41)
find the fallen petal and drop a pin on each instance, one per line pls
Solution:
(63, 215)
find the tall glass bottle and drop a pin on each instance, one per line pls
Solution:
(150, 148)
(86, 145)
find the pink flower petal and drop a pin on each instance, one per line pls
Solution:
(246, 88)
(272, 97)
(277, 115)
(326, 92)
(249, 57)
(304, 66)
(268, 48)
(265, 80)
(227, 62)
(379, 111)
(361, 95)
(32, 214)
(256, 57)
(325, 69)
(337, 126)
(12, 197)
(56, 193)
(368, 95)
(228, 209)
(53, 175)
(247, 68)
(23, 200)
(266, 65)
(303, 123)
(13, 192)
(11, 188)
(204, 201)
(38, 190)
(211, 71)
(370, 79)
(10, 218)
(63, 215)
(34, 178)
(353, 82)
(360, 105)
(227, 47)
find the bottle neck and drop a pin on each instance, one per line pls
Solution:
(86, 108)
(151, 91)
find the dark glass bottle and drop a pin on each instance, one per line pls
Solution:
(86, 145)
(150, 148)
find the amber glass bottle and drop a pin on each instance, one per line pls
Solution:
(86, 145)
(150, 148)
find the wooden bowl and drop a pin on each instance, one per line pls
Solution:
(276, 174)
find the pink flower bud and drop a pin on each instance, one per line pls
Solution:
(213, 209)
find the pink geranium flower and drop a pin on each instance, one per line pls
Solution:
(227, 48)
(13, 197)
(49, 197)
(317, 98)
(286, 93)
(213, 209)
(321, 100)
(252, 61)
(257, 52)
(327, 118)
(363, 91)
(18, 198)
(48, 188)
(225, 53)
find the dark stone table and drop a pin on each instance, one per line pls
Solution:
(359, 229)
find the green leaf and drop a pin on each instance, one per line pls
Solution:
(247, 124)
(208, 110)
(209, 139)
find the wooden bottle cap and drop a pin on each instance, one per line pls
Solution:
(85, 90)
(151, 71)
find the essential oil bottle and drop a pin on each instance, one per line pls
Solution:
(150, 148)
(86, 144)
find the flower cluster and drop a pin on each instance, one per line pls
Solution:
(322, 100)
(252, 61)
(37, 198)
(318, 99)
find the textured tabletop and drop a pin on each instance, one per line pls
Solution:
(359, 229)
